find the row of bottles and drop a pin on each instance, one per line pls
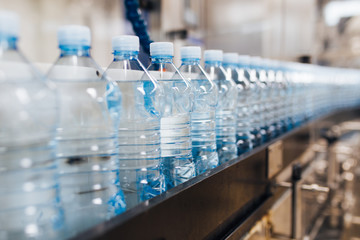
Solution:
(82, 145)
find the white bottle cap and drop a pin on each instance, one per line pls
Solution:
(256, 60)
(161, 49)
(74, 35)
(213, 55)
(232, 58)
(243, 59)
(9, 23)
(190, 52)
(268, 63)
(125, 43)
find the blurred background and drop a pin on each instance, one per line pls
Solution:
(321, 31)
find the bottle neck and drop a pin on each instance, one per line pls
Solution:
(244, 66)
(230, 65)
(190, 61)
(125, 55)
(213, 63)
(71, 50)
(8, 43)
(254, 67)
(161, 59)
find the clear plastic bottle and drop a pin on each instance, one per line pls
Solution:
(177, 161)
(87, 147)
(29, 202)
(226, 134)
(139, 129)
(297, 98)
(274, 98)
(247, 75)
(255, 79)
(260, 74)
(289, 95)
(282, 100)
(244, 138)
(203, 114)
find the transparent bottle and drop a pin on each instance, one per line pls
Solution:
(260, 75)
(244, 137)
(177, 161)
(226, 134)
(29, 201)
(203, 113)
(255, 79)
(247, 76)
(87, 147)
(282, 97)
(274, 104)
(297, 98)
(139, 129)
(288, 73)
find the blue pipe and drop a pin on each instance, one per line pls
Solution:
(139, 25)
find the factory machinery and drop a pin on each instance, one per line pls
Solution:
(297, 186)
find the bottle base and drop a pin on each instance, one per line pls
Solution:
(176, 171)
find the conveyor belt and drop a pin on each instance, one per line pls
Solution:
(223, 203)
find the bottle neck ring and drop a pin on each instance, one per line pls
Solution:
(77, 50)
(230, 65)
(190, 60)
(8, 42)
(162, 59)
(213, 63)
(125, 55)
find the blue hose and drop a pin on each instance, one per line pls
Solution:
(132, 8)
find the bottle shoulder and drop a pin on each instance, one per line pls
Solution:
(195, 73)
(162, 67)
(128, 70)
(76, 68)
(218, 73)
(15, 67)
(165, 71)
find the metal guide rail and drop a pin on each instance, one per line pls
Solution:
(225, 202)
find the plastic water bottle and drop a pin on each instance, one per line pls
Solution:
(260, 74)
(203, 114)
(267, 77)
(87, 145)
(177, 161)
(29, 206)
(258, 98)
(226, 134)
(282, 101)
(297, 94)
(252, 95)
(289, 95)
(244, 138)
(274, 98)
(139, 129)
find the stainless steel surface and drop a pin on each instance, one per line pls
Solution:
(308, 187)
(327, 189)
